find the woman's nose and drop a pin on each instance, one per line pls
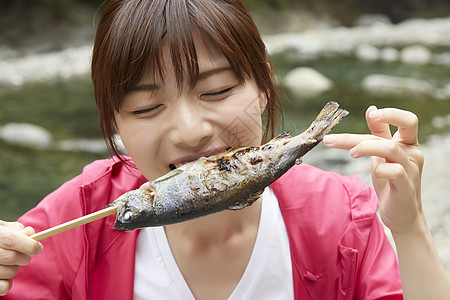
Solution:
(190, 126)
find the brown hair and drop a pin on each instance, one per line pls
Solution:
(128, 43)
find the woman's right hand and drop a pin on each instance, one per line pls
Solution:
(16, 249)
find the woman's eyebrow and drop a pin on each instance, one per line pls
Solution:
(205, 74)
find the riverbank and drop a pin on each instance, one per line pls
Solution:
(416, 41)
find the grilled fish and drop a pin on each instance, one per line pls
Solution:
(232, 180)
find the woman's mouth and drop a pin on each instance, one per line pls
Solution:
(189, 158)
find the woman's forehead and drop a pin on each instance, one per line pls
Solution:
(208, 57)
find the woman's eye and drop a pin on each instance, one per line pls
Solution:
(141, 112)
(218, 93)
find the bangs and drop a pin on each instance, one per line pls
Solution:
(173, 24)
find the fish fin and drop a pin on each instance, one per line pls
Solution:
(298, 161)
(167, 176)
(330, 115)
(247, 202)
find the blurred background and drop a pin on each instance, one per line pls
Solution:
(356, 52)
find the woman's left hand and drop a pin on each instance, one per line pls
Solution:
(396, 165)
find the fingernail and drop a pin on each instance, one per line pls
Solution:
(353, 153)
(375, 115)
(329, 139)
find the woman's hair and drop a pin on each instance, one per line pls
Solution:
(128, 45)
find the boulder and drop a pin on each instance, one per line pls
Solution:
(381, 84)
(389, 54)
(24, 134)
(416, 54)
(305, 81)
(371, 19)
(367, 52)
(97, 146)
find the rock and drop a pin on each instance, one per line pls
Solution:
(441, 122)
(382, 84)
(308, 46)
(46, 66)
(367, 52)
(341, 40)
(442, 59)
(416, 55)
(24, 134)
(97, 146)
(85, 145)
(446, 90)
(372, 19)
(305, 81)
(389, 54)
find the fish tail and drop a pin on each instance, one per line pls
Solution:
(330, 115)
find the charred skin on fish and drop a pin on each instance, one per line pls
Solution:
(232, 180)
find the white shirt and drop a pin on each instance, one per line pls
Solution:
(268, 274)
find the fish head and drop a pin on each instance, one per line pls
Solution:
(130, 207)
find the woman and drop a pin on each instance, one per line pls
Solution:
(178, 80)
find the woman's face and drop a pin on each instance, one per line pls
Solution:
(163, 126)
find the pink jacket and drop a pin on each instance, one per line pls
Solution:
(338, 247)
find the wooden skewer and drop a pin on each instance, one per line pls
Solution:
(75, 223)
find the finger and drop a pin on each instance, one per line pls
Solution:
(400, 187)
(377, 128)
(8, 272)
(28, 231)
(5, 286)
(402, 207)
(12, 225)
(346, 140)
(387, 149)
(13, 258)
(18, 241)
(406, 121)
